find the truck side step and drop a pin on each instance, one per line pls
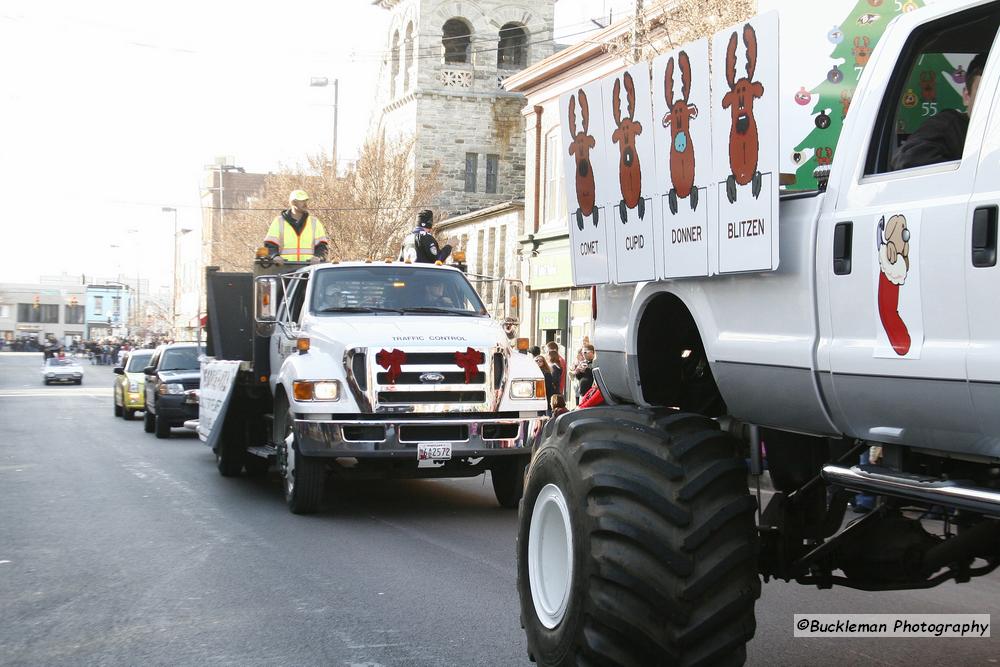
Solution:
(930, 490)
(263, 451)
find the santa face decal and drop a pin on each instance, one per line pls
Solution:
(893, 248)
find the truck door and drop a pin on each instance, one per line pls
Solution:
(982, 272)
(894, 250)
(290, 312)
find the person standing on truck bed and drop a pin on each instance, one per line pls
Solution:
(420, 245)
(296, 235)
(942, 136)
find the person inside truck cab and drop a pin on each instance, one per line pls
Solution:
(942, 136)
(296, 235)
(434, 294)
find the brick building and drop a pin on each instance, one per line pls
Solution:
(442, 83)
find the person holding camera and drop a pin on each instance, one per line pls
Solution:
(583, 371)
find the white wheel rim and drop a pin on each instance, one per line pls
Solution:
(550, 556)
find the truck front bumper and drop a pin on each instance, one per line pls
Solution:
(387, 438)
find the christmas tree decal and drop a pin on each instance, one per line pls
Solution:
(853, 42)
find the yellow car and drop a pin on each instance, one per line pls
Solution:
(129, 394)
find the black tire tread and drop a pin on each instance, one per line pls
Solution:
(161, 427)
(672, 569)
(309, 478)
(508, 482)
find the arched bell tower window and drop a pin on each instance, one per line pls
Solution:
(395, 64)
(456, 41)
(512, 50)
(407, 56)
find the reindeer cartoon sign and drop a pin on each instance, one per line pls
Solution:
(683, 137)
(588, 184)
(629, 153)
(745, 109)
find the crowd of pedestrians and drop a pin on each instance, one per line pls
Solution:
(554, 369)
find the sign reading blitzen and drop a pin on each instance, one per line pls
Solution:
(745, 122)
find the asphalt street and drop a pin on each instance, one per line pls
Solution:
(117, 548)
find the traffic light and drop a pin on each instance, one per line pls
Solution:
(37, 302)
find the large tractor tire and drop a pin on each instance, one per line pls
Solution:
(508, 480)
(636, 542)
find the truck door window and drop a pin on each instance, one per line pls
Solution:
(923, 118)
(298, 297)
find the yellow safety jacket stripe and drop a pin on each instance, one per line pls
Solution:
(296, 247)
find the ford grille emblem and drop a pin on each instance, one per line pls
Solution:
(431, 378)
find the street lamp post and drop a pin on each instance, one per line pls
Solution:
(173, 291)
(322, 82)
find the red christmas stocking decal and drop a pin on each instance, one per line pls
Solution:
(888, 312)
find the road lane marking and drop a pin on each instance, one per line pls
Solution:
(47, 393)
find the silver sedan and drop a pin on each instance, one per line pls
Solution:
(62, 370)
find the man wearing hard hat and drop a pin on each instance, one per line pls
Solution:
(296, 235)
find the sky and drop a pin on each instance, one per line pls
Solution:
(109, 111)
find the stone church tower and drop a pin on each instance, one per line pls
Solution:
(442, 84)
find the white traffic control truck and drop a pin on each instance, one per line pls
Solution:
(858, 354)
(368, 370)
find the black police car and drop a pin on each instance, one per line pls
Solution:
(172, 381)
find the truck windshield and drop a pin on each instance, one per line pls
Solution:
(394, 289)
(181, 359)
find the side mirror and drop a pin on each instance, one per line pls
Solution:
(149, 370)
(265, 303)
(513, 292)
(119, 370)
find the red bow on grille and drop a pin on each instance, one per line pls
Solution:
(469, 362)
(391, 362)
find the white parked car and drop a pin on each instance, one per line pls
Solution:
(62, 370)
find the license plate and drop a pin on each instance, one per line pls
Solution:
(433, 452)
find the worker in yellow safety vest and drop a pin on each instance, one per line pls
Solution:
(296, 235)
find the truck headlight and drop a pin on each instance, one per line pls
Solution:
(316, 390)
(171, 388)
(527, 389)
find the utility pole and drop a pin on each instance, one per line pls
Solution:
(636, 47)
(173, 291)
(322, 82)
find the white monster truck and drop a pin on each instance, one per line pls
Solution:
(637, 541)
